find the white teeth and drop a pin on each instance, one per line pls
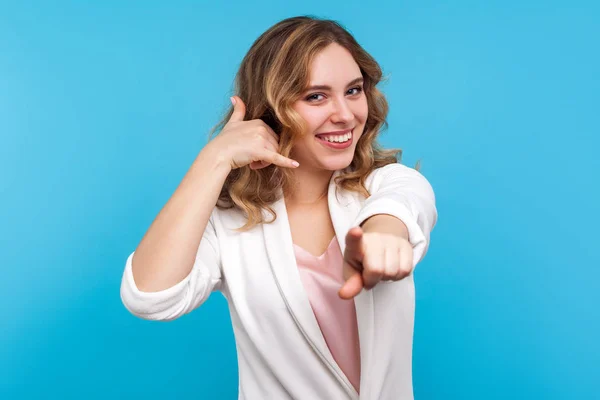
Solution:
(338, 138)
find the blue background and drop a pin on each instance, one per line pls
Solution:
(104, 106)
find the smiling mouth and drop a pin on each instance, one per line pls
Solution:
(336, 142)
(336, 138)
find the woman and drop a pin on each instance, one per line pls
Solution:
(306, 226)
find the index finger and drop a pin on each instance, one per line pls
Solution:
(353, 244)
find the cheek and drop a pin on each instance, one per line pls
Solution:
(314, 117)
(362, 110)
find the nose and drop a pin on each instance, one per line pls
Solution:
(342, 113)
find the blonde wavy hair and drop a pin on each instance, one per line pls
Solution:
(271, 78)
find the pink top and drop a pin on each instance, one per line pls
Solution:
(322, 278)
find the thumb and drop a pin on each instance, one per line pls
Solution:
(239, 109)
(352, 286)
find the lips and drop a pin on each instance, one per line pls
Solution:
(335, 133)
(335, 145)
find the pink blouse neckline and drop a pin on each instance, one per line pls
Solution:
(312, 255)
(322, 278)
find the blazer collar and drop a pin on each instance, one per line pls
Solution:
(343, 211)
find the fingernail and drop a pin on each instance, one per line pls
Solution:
(232, 100)
(295, 163)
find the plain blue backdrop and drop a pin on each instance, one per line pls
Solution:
(103, 107)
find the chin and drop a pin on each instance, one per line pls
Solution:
(337, 163)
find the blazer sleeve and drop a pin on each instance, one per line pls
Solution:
(406, 194)
(184, 296)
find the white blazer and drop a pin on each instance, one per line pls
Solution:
(281, 351)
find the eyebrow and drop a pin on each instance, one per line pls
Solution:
(326, 87)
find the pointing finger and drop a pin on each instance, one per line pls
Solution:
(354, 245)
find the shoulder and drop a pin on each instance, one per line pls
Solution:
(394, 169)
(227, 219)
(394, 174)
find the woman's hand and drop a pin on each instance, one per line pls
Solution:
(248, 142)
(373, 257)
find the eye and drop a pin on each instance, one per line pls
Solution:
(313, 97)
(357, 88)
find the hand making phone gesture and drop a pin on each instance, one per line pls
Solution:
(248, 142)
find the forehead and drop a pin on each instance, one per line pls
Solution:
(334, 65)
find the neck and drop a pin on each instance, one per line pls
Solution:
(310, 186)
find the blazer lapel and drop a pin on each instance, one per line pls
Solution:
(280, 250)
(344, 209)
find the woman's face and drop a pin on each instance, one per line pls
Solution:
(335, 110)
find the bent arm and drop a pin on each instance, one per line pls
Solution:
(184, 296)
(404, 193)
(177, 263)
